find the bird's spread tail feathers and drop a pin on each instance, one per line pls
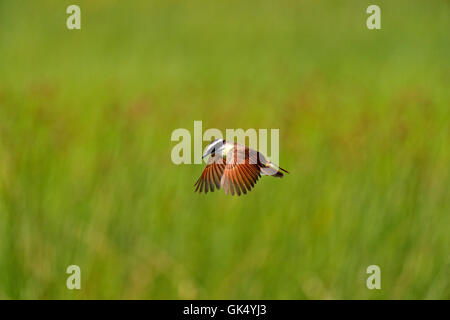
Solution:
(272, 170)
(283, 169)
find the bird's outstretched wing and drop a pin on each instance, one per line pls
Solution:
(239, 178)
(242, 171)
(211, 175)
(238, 174)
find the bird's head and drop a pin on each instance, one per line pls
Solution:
(214, 147)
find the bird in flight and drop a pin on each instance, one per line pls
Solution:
(234, 167)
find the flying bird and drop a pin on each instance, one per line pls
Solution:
(234, 167)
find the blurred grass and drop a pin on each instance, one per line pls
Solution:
(85, 170)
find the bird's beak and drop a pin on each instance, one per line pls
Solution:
(208, 153)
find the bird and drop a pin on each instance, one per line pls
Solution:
(234, 167)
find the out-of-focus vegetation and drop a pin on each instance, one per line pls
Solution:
(86, 176)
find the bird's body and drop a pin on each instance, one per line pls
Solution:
(234, 167)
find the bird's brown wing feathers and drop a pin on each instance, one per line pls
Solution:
(211, 176)
(239, 178)
(238, 174)
(242, 171)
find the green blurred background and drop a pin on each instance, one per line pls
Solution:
(86, 176)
